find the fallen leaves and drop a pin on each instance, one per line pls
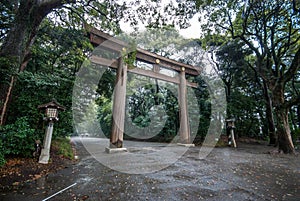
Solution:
(19, 170)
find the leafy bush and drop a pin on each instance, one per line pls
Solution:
(2, 159)
(63, 147)
(295, 135)
(18, 138)
(47, 87)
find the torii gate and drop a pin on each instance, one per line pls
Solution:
(112, 44)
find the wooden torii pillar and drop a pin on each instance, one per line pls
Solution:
(118, 119)
(184, 129)
(112, 44)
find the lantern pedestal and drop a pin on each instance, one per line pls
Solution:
(45, 154)
(230, 132)
(51, 110)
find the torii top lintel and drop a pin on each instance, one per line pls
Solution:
(98, 37)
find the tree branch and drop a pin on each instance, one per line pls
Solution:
(53, 3)
(292, 102)
(294, 67)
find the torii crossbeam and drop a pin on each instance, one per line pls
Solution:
(112, 44)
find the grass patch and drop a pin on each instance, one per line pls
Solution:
(62, 146)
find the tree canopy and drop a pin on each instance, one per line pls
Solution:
(270, 29)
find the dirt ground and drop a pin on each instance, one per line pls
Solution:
(249, 172)
(18, 171)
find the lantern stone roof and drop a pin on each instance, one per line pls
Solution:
(52, 104)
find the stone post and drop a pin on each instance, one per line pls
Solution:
(45, 153)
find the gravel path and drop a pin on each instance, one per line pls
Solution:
(246, 173)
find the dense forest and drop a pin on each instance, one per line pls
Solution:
(254, 46)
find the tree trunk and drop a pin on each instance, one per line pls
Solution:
(15, 48)
(285, 142)
(298, 115)
(12, 53)
(7, 99)
(283, 130)
(228, 99)
(269, 115)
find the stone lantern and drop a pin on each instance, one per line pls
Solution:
(51, 116)
(230, 132)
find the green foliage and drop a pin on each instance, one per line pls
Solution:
(6, 17)
(7, 67)
(2, 160)
(63, 147)
(18, 138)
(58, 49)
(57, 55)
(141, 105)
(2, 156)
(164, 41)
(296, 136)
(270, 29)
(204, 103)
(45, 87)
(105, 114)
(104, 102)
(129, 54)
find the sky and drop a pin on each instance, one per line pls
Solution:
(191, 32)
(194, 30)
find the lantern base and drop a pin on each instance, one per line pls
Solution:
(44, 157)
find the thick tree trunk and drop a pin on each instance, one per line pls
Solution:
(283, 130)
(15, 48)
(285, 142)
(12, 54)
(270, 116)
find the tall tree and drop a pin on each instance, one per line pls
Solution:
(271, 30)
(19, 35)
(241, 85)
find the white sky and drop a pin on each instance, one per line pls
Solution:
(194, 30)
(191, 32)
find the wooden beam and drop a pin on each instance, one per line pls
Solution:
(149, 57)
(111, 43)
(152, 74)
(106, 43)
(104, 62)
(139, 71)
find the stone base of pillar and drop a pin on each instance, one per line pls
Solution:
(115, 150)
(186, 145)
(44, 157)
(117, 144)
